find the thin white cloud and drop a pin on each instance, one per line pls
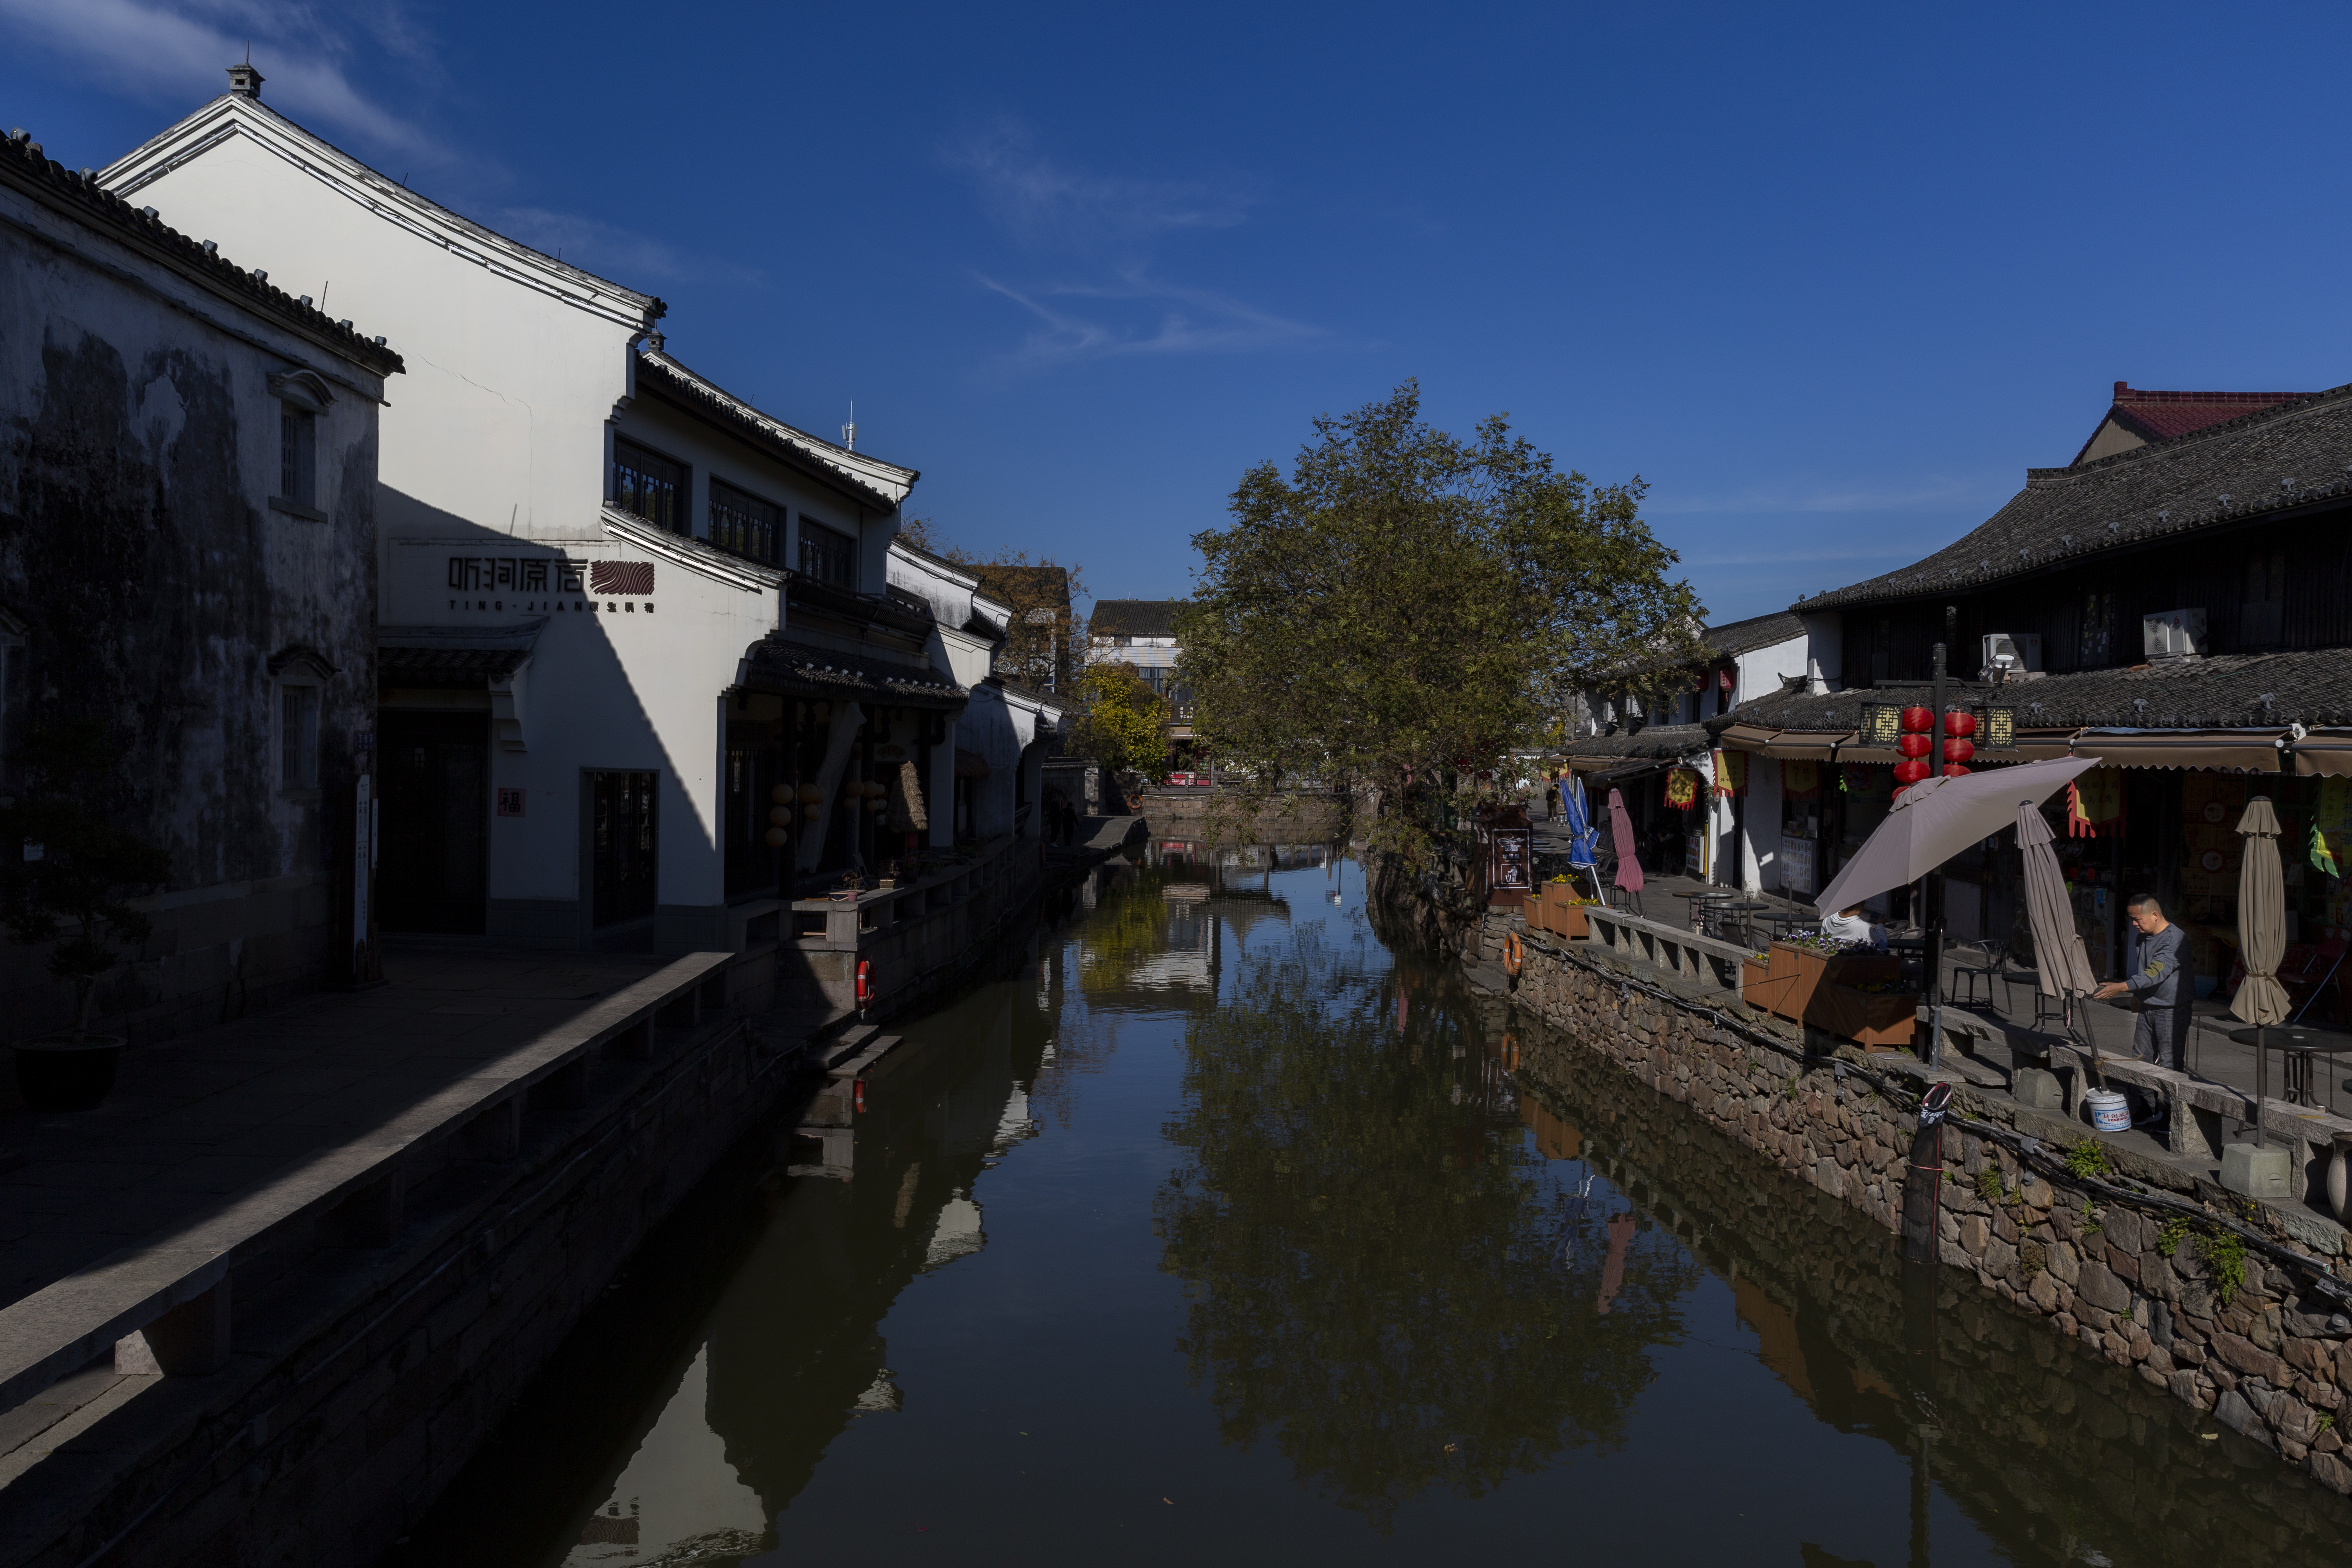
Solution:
(1173, 320)
(620, 254)
(176, 56)
(1047, 207)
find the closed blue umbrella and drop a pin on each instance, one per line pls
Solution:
(1582, 836)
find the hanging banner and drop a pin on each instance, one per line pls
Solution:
(1682, 788)
(1730, 773)
(1800, 778)
(2095, 800)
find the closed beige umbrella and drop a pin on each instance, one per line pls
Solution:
(2261, 916)
(2062, 967)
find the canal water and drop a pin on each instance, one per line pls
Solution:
(1215, 1231)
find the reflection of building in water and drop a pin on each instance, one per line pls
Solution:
(1555, 1138)
(677, 1488)
(795, 1352)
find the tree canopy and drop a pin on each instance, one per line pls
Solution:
(1122, 721)
(1407, 602)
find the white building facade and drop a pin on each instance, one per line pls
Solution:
(640, 673)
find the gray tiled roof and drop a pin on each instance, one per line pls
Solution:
(1135, 617)
(2311, 688)
(1747, 636)
(1650, 741)
(2294, 457)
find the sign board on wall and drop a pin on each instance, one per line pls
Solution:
(1511, 862)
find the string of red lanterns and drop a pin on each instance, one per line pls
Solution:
(1917, 745)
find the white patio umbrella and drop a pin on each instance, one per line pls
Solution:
(1936, 819)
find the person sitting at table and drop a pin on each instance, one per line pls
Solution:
(1852, 925)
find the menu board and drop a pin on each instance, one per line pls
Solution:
(1511, 859)
(1796, 866)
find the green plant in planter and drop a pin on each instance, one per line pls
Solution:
(66, 873)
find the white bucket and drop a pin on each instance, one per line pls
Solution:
(2110, 1112)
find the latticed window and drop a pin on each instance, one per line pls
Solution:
(827, 555)
(648, 485)
(743, 523)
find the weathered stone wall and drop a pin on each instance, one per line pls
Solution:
(2046, 1449)
(2272, 1357)
(1207, 813)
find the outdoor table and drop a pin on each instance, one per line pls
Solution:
(1746, 909)
(1701, 905)
(2299, 1045)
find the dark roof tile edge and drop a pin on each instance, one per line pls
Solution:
(21, 157)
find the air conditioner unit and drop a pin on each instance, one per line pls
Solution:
(2014, 652)
(2173, 635)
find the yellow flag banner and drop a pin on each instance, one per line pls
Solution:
(1800, 778)
(1730, 773)
(2094, 800)
(1682, 788)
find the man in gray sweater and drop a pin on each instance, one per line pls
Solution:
(2162, 988)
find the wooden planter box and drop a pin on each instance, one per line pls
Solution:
(1548, 909)
(1881, 1020)
(1796, 977)
(1756, 982)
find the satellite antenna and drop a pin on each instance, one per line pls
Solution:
(849, 431)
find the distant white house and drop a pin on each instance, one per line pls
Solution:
(640, 669)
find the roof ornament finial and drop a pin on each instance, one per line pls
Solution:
(849, 431)
(244, 82)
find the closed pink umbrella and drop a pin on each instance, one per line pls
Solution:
(1620, 839)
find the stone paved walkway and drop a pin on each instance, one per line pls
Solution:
(193, 1119)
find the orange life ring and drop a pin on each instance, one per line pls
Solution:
(1512, 954)
(865, 984)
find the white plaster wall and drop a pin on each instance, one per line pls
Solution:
(1759, 859)
(613, 682)
(1761, 671)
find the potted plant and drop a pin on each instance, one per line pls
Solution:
(65, 879)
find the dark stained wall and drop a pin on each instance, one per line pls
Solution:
(161, 594)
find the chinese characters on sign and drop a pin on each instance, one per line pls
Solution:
(539, 585)
(509, 803)
(1882, 724)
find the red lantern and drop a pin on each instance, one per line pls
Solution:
(1914, 745)
(1959, 723)
(1958, 751)
(1918, 720)
(1910, 773)
(1954, 771)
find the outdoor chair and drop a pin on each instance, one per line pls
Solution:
(1985, 970)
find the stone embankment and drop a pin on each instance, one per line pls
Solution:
(2240, 1309)
(2005, 1416)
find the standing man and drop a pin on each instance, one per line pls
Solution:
(2163, 992)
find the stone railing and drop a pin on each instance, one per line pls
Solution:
(163, 1304)
(1705, 961)
(909, 934)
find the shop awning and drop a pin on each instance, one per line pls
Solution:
(452, 655)
(1805, 746)
(2325, 754)
(798, 670)
(970, 764)
(2243, 750)
(1746, 737)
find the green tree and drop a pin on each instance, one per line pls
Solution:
(1407, 605)
(68, 874)
(1122, 723)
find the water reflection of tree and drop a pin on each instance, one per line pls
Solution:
(1385, 1281)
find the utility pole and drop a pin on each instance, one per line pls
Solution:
(1934, 922)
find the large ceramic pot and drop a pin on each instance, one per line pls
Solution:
(63, 1073)
(2339, 1178)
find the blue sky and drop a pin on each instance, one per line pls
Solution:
(1827, 278)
